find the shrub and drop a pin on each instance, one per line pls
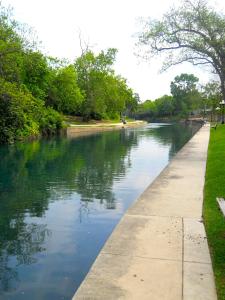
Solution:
(50, 122)
(22, 115)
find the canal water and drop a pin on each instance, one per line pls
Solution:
(61, 198)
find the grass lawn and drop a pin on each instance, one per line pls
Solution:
(213, 217)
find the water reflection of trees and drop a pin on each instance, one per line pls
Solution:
(35, 173)
(175, 135)
(21, 241)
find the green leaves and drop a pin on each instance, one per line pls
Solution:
(36, 73)
(16, 113)
(192, 32)
(35, 89)
(64, 94)
(185, 94)
(105, 94)
(185, 100)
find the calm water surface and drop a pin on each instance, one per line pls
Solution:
(61, 198)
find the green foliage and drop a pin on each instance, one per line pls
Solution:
(34, 87)
(147, 109)
(184, 101)
(161, 107)
(165, 106)
(24, 80)
(92, 71)
(105, 94)
(213, 218)
(24, 116)
(17, 109)
(211, 96)
(185, 93)
(50, 121)
(64, 94)
(36, 73)
(11, 45)
(192, 32)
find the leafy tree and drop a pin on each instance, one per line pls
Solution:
(211, 96)
(92, 71)
(11, 48)
(193, 32)
(119, 97)
(34, 87)
(50, 121)
(36, 73)
(147, 109)
(131, 101)
(105, 94)
(161, 107)
(16, 109)
(114, 95)
(185, 94)
(22, 115)
(211, 91)
(64, 93)
(23, 82)
(165, 106)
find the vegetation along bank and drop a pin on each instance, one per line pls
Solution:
(37, 90)
(213, 217)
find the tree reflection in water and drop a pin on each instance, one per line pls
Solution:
(35, 174)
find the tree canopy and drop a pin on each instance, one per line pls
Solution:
(185, 94)
(105, 93)
(192, 32)
(188, 98)
(36, 90)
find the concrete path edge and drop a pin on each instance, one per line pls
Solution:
(159, 249)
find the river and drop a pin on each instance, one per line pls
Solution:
(61, 198)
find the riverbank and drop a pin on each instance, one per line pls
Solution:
(213, 218)
(86, 129)
(159, 249)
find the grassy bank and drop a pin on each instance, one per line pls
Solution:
(213, 217)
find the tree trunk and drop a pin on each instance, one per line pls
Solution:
(222, 81)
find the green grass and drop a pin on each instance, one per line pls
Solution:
(213, 217)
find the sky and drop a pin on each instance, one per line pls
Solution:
(105, 24)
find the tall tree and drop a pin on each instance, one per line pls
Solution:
(64, 94)
(193, 32)
(211, 96)
(105, 94)
(185, 94)
(36, 73)
(91, 70)
(165, 106)
(11, 47)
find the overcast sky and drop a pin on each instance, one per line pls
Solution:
(104, 24)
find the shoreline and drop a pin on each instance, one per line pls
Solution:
(79, 130)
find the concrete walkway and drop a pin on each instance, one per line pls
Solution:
(159, 249)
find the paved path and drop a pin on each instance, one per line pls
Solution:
(159, 249)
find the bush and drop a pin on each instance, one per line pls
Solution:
(15, 121)
(24, 116)
(50, 122)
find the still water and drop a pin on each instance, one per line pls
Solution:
(61, 198)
